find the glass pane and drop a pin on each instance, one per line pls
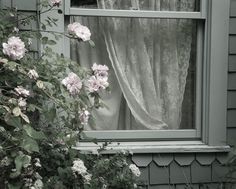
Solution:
(152, 65)
(158, 5)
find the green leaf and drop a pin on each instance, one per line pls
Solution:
(13, 121)
(52, 42)
(44, 40)
(14, 186)
(91, 43)
(25, 117)
(22, 160)
(33, 133)
(30, 145)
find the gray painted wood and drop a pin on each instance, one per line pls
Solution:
(179, 174)
(184, 186)
(232, 44)
(142, 160)
(231, 81)
(184, 159)
(233, 8)
(231, 139)
(163, 159)
(232, 63)
(25, 4)
(218, 172)
(159, 175)
(5, 3)
(231, 100)
(144, 177)
(216, 117)
(205, 158)
(222, 157)
(161, 187)
(231, 118)
(200, 173)
(210, 186)
(232, 26)
(28, 26)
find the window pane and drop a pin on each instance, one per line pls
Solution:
(152, 66)
(163, 5)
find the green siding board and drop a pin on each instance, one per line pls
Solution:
(219, 172)
(5, 3)
(233, 8)
(144, 177)
(200, 173)
(231, 99)
(28, 26)
(231, 139)
(142, 160)
(232, 81)
(184, 159)
(162, 187)
(25, 4)
(184, 186)
(158, 174)
(179, 174)
(210, 186)
(232, 26)
(205, 158)
(231, 118)
(232, 63)
(232, 44)
(163, 159)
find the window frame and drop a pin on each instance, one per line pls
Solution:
(211, 81)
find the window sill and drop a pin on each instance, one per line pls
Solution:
(152, 147)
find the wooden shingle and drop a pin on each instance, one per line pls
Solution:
(179, 174)
(200, 173)
(163, 159)
(159, 174)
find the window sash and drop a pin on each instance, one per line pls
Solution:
(180, 134)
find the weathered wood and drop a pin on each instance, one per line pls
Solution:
(222, 157)
(200, 173)
(163, 159)
(179, 174)
(231, 118)
(184, 159)
(144, 177)
(158, 174)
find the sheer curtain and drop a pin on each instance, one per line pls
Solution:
(148, 59)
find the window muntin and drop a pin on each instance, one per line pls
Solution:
(151, 33)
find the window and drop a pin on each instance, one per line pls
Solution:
(181, 45)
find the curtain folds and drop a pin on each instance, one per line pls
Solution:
(148, 59)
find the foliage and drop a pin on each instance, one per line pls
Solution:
(45, 102)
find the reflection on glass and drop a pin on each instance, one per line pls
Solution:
(158, 5)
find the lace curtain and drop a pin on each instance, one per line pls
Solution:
(148, 61)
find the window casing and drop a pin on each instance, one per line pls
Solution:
(211, 86)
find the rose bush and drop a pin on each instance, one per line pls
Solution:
(45, 103)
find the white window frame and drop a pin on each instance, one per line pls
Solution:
(212, 61)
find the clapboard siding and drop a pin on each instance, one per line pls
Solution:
(231, 113)
(232, 63)
(26, 5)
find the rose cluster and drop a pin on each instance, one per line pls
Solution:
(79, 168)
(79, 31)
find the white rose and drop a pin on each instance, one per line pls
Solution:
(14, 48)
(73, 83)
(135, 170)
